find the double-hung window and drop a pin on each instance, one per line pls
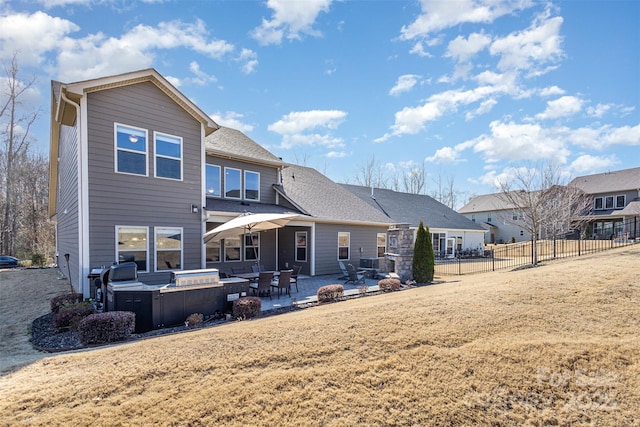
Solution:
(382, 244)
(344, 242)
(213, 251)
(597, 204)
(213, 181)
(232, 249)
(168, 156)
(251, 185)
(130, 150)
(620, 201)
(608, 202)
(168, 248)
(251, 246)
(132, 246)
(232, 184)
(301, 246)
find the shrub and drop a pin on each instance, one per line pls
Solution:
(389, 285)
(330, 293)
(69, 316)
(64, 300)
(101, 328)
(194, 319)
(246, 307)
(423, 256)
(38, 259)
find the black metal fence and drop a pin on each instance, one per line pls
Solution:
(514, 255)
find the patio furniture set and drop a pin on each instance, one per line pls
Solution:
(262, 282)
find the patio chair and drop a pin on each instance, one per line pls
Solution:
(263, 286)
(255, 268)
(294, 276)
(354, 275)
(345, 273)
(283, 282)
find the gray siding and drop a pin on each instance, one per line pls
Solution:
(287, 248)
(268, 176)
(326, 245)
(67, 205)
(267, 254)
(129, 200)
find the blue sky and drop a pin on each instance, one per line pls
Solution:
(474, 89)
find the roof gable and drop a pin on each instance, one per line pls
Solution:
(609, 182)
(231, 143)
(411, 208)
(486, 203)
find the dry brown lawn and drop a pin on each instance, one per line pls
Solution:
(557, 345)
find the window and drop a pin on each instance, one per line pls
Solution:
(251, 185)
(608, 202)
(473, 217)
(382, 244)
(598, 203)
(620, 201)
(131, 246)
(489, 217)
(131, 150)
(232, 183)
(301, 246)
(252, 246)
(213, 181)
(213, 251)
(459, 244)
(168, 156)
(514, 216)
(168, 248)
(232, 249)
(343, 246)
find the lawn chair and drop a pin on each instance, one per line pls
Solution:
(354, 275)
(283, 282)
(294, 276)
(263, 286)
(345, 273)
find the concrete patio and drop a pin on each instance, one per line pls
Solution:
(308, 289)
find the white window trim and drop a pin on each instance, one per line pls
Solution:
(615, 201)
(116, 149)
(224, 252)
(117, 251)
(219, 180)
(208, 247)
(244, 187)
(306, 246)
(156, 250)
(348, 258)
(245, 246)
(385, 242)
(225, 183)
(156, 155)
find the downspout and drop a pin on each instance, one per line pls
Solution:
(80, 194)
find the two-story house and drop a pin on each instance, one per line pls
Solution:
(498, 217)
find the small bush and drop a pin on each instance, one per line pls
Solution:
(38, 259)
(330, 293)
(64, 300)
(69, 316)
(194, 319)
(247, 307)
(389, 285)
(101, 328)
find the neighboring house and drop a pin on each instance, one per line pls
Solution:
(616, 209)
(451, 232)
(498, 217)
(616, 203)
(139, 173)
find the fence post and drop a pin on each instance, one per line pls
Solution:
(493, 260)
(459, 266)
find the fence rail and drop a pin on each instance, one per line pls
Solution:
(514, 255)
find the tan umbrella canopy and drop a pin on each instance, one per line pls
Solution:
(248, 223)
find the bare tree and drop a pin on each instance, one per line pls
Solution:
(414, 180)
(445, 191)
(15, 137)
(372, 173)
(545, 207)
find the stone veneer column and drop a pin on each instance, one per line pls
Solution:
(399, 258)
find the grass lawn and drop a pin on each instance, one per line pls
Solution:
(558, 344)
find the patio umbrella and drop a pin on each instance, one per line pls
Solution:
(248, 223)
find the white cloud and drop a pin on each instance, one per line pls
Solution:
(249, 59)
(531, 49)
(508, 174)
(96, 55)
(561, 107)
(551, 91)
(53, 3)
(461, 49)
(290, 19)
(32, 35)
(231, 119)
(404, 84)
(485, 107)
(336, 154)
(201, 78)
(599, 110)
(444, 155)
(309, 128)
(588, 163)
(439, 15)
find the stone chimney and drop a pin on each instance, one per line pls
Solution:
(399, 258)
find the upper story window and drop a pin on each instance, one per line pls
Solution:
(473, 218)
(597, 204)
(131, 150)
(489, 217)
(344, 239)
(608, 202)
(251, 185)
(232, 184)
(213, 184)
(168, 156)
(620, 201)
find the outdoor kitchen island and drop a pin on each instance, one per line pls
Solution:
(161, 306)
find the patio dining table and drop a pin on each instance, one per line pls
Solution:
(254, 276)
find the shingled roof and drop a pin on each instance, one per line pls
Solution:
(318, 196)
(609, 182)
(231, 143)
(486, 203)
(410, 208)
